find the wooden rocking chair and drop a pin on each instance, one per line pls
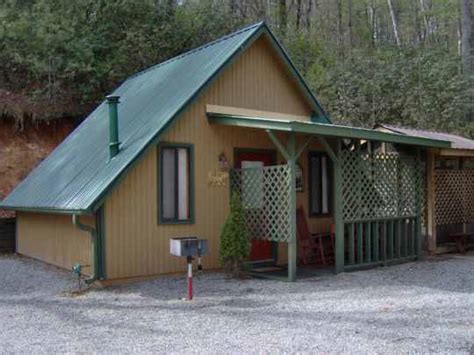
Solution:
(310, 245)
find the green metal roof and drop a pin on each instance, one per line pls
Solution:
(323, 129)
(77, 175)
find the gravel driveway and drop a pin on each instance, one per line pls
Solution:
(418, 307)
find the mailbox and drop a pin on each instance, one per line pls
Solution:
(188, 246)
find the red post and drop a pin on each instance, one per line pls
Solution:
(190, 278)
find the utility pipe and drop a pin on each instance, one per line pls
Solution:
(114, 144)
(95, 255)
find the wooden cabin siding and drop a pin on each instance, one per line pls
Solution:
(136, 244)
(53, 239)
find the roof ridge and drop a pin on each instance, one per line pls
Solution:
(194, 50)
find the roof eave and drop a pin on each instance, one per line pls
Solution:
(328, 130)
(44, 210)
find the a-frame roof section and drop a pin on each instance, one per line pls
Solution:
(78, 174)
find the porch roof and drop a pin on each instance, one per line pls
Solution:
(322, 129)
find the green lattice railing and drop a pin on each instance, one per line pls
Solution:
(381, 207)
(266, 199)
(454, 200)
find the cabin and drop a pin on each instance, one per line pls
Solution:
(161, 156)
(449, 192)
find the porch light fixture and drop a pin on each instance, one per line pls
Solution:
(223, 163)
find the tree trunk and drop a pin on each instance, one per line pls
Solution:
(349, 24)
(233, 7)
(340, 30)
(282, 16)
(372, 14)
(306, 56)
(394, 22)
(309, 11)
(298, 14)
(466, 36)
(467, 49)
(170, 9)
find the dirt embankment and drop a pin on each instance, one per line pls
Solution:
(21, 151)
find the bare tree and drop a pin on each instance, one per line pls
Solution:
(309, 10)
(466, 42)
(427, 20)
(282, 16)
(298, 14)
(349, 24)
(340, 30)
(373, 23)
(394, 19)
(466, 35)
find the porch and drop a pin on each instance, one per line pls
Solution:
(376, 192)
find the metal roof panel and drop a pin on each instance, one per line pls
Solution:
(77, 175)
(457, 142)
(78, 170)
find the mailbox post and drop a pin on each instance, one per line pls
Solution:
(189, 247)
(190, 277)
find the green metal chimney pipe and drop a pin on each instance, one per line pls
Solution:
(114, 143)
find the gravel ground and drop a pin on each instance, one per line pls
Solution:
(417, 307)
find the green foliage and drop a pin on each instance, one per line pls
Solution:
(404, 87)
(72, 53)
(234, 242)
(79, 50)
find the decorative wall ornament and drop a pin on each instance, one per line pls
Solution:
(217, 178)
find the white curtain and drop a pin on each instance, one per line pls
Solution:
(252, 196)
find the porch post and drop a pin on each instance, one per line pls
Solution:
(419, 188)
(338, 218)
(292, 247)
(430, 203)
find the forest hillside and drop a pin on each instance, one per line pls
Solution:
(405, 62)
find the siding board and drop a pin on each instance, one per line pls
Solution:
(136, 245)
(53, 239)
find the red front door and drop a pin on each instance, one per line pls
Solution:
(260, 249)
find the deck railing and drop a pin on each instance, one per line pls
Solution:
(380, 242)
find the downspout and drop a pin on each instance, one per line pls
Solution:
(95, 250)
